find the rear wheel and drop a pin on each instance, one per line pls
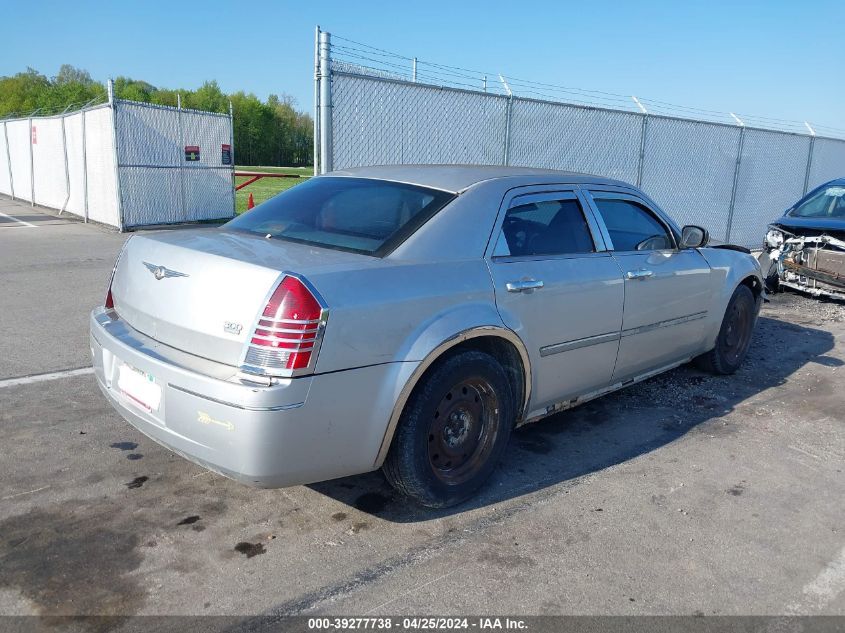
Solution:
(453, 431)
(734, 336)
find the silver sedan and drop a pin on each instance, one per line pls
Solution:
(408, 318)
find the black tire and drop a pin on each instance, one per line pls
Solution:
(441, 460)
(734, 336)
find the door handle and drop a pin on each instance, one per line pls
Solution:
(527, 285)
(642, 273)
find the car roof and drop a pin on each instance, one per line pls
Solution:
(456, 178)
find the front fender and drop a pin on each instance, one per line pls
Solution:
(729, 269)
(436, 337)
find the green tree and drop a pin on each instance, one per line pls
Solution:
(271, 132)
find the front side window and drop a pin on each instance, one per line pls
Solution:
(549, 227)
(631, 226)
(827, 203)
(354, 214)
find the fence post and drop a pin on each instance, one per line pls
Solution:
(232, 156)
(9, 159)
(736, 177)
(118, 198)
(508, 110)
(508, 114)
(325, 103)
(180, 156)
(809, 158)
(84, 168)
(316, 155)
(31, 168)
(67, 167)
(414, 71)
(643, 130)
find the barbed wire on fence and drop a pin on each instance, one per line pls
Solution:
(56, 110)
(356, 57)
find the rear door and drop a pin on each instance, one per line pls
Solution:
(559, 289)
(667, 290)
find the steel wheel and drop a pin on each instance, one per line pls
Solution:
(453, 430)
(463, 430)
(737, 334)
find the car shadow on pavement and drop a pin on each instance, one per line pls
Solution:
(611, 430)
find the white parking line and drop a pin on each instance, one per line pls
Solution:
(11, 217)
(28, 380)
(823, 589)
(829, 583)
(21, 494)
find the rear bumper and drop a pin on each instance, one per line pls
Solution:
(296, 431)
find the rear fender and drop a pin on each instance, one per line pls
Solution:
(432, 341)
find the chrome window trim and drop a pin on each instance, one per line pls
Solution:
(615, 193)
(509, 259)
(316, 341)
(518, 196)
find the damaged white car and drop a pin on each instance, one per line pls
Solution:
(805, 249)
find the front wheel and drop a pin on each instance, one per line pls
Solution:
(734, 336)
(453, 430)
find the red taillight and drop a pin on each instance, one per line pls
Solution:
(288, 329)
(109, 299)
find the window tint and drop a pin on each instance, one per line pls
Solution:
(553, 227)
(355, 214)
(631, 226)
(827, 203)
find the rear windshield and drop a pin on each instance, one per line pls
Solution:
(361, 215)
(826, 203)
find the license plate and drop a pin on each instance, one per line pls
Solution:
(139, 387)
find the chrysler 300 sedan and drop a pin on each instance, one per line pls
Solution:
(408, 318)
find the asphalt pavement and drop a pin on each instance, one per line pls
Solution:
(688, 494)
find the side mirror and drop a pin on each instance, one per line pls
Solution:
(694, 237)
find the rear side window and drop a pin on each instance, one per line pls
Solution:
(361, 215)
(548, 227)
(631, 226)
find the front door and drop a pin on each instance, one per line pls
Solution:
(667, 290)
(561, 291)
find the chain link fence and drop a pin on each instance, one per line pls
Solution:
(374, 108)
(124, 164)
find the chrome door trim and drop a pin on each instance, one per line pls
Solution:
(567, 346)
(437, 352)
(667, 323)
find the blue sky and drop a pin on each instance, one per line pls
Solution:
(774, 59)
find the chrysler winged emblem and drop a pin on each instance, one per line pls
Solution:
(160, 272)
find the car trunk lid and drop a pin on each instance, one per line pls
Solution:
(201, 291)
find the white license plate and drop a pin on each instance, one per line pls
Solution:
(139, 387)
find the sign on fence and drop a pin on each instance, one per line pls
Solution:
(122, 163)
